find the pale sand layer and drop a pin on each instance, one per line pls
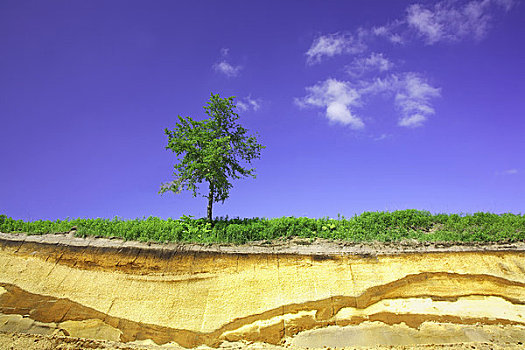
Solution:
(377, 334)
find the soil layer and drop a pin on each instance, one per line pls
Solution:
(295, 293)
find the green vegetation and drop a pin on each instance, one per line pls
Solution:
(214, 150)
(369, 226)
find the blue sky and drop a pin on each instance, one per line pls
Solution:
(362, 105)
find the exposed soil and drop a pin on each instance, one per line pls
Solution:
(298, 246)
(63, 292)
(18, 341)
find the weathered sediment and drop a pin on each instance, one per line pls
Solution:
(292, 295)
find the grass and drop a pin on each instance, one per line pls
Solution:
(369, 226)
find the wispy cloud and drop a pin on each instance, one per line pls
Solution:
(248, 103)
(453, 21)
(376, 85)
(227, 69)
(382, 137)
(337, 98)
(388, 31)
(376, 62)
(447, 20)
(508, 172)
(225, 51)
(506, 4)
(413, 99)
(334, 44)
(412, 95)
(224, 67)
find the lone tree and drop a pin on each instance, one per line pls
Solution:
(213, 151)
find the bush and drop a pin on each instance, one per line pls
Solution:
(369, 226)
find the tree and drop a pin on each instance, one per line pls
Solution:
(211, 151)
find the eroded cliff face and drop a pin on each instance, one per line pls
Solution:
(191, 298)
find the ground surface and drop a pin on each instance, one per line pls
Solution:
(300, 246)
(40, 342)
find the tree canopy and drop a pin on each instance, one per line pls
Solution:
(213, 151)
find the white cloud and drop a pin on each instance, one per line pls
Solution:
(379, 85)
(413, 99)
(508, 172)
(434, 22)
(248, 103)
(227, 69)
(382, 137)
(396, 39)
(506, 4)
(374, 62)
(334, 44)
(424, 22)
(337, 97)
(452, 21)
(411, 94)
(412, 121)
(388, 31)
(447, 20)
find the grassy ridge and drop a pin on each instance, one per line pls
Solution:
(369, 226)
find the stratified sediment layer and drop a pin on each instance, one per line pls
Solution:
(191, 298)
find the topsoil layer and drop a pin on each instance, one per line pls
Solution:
(299, 246)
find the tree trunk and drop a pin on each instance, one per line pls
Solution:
(210, 205)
